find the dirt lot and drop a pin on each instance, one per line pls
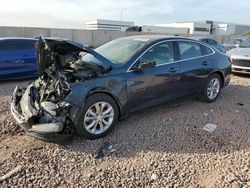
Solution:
(160, 147)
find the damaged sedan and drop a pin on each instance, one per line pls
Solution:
(85, 91)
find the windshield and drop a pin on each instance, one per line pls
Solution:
(235, 41)
(245, 44)
(117, 51)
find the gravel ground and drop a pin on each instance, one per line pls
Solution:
(161, 147)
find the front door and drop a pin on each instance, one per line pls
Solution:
(17, 58)
(152, 86)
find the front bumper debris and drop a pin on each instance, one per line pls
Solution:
(25, 110)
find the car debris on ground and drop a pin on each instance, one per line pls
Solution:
(106, 147)
(10, 173)
(209, 127)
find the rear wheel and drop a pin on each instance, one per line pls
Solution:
(212, 88)
(99, 116)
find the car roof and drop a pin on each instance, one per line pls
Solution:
(152, 38)
(200, 38)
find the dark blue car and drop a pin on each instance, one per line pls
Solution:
(88, 91)
(216, 44)
(17, 58)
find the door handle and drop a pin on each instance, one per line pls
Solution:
(173, 69)
(205, 63)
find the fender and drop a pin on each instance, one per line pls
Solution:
(107, 92)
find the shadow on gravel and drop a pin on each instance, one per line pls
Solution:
(242, 75)
(177, 128)
(8, 126)
(7, 87)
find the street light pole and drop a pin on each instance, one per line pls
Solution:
(123, 9)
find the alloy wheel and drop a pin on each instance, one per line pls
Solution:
(99, 117)
(213, 88)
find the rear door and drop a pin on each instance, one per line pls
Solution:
(195, 65)
(17, 58)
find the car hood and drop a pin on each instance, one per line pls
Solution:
(239, 53)
(48, 46)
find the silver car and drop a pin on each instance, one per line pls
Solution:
(240, 57)
(233, 43)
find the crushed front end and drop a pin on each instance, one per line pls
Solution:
(48, 108)
(41, 111)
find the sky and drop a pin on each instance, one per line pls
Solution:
(74, 13)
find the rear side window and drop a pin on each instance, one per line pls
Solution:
(189, 49)
(12, 45)
(206, 50)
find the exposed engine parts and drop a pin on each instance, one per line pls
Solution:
(42, 103)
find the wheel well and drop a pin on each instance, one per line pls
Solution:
(221, 76)
(113, 97)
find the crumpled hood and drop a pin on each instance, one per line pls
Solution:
(47, 46)
(241, 53)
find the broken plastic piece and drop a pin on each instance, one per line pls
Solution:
(47, 128)
(241, 104)
(209, 127)
(10, 173)
(105, 147)
(99, 154)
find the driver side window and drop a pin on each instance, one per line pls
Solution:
(162, 54)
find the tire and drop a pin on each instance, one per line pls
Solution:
(92, 126)
(216, 79)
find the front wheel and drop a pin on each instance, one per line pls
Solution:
(99, 116)
(212, 88)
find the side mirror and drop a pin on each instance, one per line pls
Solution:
(145, 65)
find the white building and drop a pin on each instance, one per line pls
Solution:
(211, 27)
(99, 24)
(193, 27)
(224, 28)
(167, 30)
